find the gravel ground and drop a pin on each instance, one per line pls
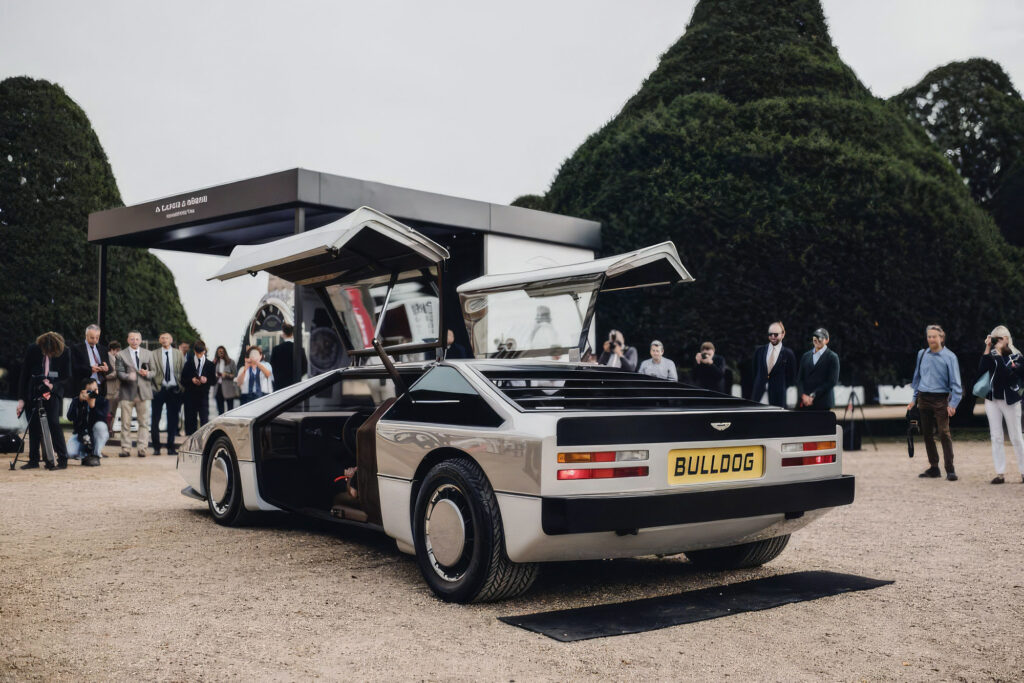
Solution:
(111, 574)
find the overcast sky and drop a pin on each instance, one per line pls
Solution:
(474, 99)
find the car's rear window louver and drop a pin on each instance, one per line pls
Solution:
(585, 389)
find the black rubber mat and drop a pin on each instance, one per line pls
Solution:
(650, 614)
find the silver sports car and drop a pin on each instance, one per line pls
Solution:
(485, 467)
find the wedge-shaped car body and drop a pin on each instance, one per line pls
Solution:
(485, 467)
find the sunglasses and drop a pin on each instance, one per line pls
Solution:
(774, 334)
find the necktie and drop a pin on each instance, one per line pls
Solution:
(137, 366)
(772, 358)
(167, 365)
(95, 361)
(252, 380)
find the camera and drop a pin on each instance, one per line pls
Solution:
(37, 385)
(704, 354)
(92, 393)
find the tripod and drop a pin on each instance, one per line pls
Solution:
(851, 407)
(38, 413)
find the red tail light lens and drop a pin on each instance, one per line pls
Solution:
(603, 473)
(809, 460)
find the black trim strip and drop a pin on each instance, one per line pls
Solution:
(754, 423)
(626, 513)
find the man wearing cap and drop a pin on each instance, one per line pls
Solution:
(818, 374)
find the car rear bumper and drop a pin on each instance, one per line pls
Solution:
(589, 514)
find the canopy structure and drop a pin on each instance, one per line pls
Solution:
(215, 220)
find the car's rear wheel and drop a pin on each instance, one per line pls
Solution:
(739, 556)
(223, 484)
(459, 538)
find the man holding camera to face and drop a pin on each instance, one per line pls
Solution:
(88, 416)
(616, 354)
(45, 370)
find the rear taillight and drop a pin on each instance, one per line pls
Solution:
(809, 460)
(603, 473)
(602, 456)
(808, 446)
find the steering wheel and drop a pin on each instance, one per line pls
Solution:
(348, 434)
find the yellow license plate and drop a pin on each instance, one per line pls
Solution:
(725, 463)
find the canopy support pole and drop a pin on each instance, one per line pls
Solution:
(298, 349)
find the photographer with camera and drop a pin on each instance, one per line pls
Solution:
(709, 369)
(255, 378)
(45, 370)
(88, 416)
(616, 354)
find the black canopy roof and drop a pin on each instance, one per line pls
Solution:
(213, 220)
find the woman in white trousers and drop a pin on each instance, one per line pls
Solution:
(1003, 402)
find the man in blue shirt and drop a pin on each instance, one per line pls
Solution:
(937, 392)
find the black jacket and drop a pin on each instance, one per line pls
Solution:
(81, 364)
(188, 371)
(628, 362)
(819, 379)
(79, 410)
(710, 376)
(1008, 371)
(783, 375)
(33, 366)
(282, 362)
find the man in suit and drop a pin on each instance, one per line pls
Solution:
(282, 360)
(89, 359)
(168, 363)
(198, 375)
(47, 358)
(139, 380)
(774, 368)
(818, 374)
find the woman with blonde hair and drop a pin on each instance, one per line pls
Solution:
(1004, 364)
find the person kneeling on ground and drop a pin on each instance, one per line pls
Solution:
(88, 415)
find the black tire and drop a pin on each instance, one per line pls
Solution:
(479, 570)
(739, 556)
(229, 508)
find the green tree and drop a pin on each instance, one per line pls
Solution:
(792, 193)
(53, 173)
(975, 116)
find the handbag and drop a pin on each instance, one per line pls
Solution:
(983, 386)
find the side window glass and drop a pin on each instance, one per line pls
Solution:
(444, 396)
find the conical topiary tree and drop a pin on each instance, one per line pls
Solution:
(53, 173)
(792, 193)
(975, 117)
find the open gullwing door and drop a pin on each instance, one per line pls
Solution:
(364, 245)
(547, 312)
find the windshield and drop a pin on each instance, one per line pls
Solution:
(545, 320)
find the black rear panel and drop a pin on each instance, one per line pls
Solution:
(648, 428)
(599, 388)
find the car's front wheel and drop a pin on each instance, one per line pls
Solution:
(223, 484)
(460, 542)
(739, 556)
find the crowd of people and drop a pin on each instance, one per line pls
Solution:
(179, 381)
(936, 384)
(173, 381)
